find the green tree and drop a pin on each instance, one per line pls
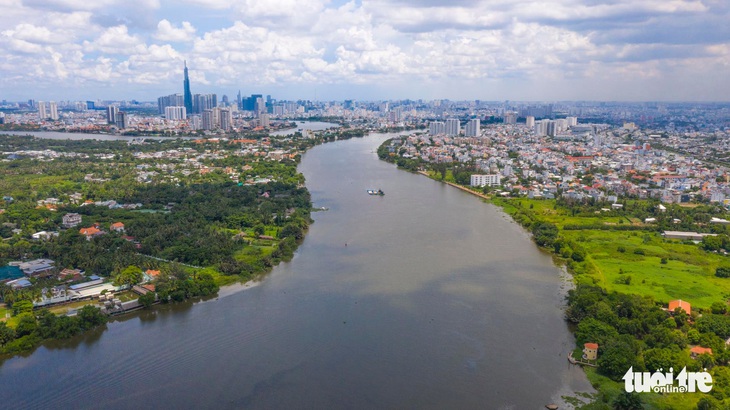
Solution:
(22, 306)
(7, 334)
(718, 308)
(722, 271)
(628, 401)
(130, 276)
(147, 299)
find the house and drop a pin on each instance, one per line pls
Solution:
(43, 235)
(71, 274)
(37, 267)
(698, 350)
(692, 236)
(680, 304)
(19, 283)
(590, 351)
(90, 232)
(71, 220)
(117, 227)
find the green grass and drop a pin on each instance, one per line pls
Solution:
(609, 389)
(687, 275)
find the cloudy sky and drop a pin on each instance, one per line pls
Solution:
(367, 49)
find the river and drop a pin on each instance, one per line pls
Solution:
(423, 298)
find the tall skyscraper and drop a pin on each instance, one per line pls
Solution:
(187, 94)
(53, 108)
(202, 102)
(111, 114)
(42, 111)
(208, 120)
(453, 127)
(436, 128)
(472, 128)
(175, 113)
(174, 100)
(226, 119)
(122, 120)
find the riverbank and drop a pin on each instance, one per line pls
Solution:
(617, 256)
(629, 263)
(422, 312)
(461, 187)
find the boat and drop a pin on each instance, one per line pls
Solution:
(375, 192)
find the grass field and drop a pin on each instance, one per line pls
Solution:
(688, 273)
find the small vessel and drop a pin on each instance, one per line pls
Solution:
(375, 192)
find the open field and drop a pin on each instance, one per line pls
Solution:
(614, 255)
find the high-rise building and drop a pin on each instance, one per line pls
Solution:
(53, 110)
(2, 118)
(42, 110)
(264, 120)
(226, 119)
(122, 121)
(572, 121)
(472, 128)
(530, 121)
(111, 114)
(175, 113)
(453, 127)
(202, 102)
(510, 118)
(436, 128)
(188, 96)
(207, 117)
(541, 128)
(173, 100)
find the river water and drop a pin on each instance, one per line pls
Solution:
(423, 298)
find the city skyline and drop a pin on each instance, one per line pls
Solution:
(368, 50)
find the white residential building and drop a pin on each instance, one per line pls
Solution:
(482, 180)
(175, 113)
(436, 128)
(453, 127)
(472, 128)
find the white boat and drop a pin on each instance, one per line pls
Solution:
(375, 192)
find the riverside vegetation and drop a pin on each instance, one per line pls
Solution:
(625, 273)
(203, 213)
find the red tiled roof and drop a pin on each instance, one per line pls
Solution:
(700, 350)
(593, 346)
(89, 231)
(680, 304)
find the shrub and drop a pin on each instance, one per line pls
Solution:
(722, 272)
